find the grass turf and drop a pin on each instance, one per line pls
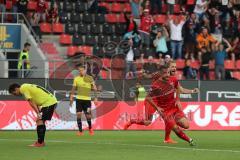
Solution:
(139, 145)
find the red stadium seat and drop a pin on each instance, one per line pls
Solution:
(195, 64)
(117, 7)
(106, 5)
(236, 75)
(45, 27)
(71, 50)
(228, 64)
(106, 62)
(238, 64)
(65, 39)
(190, 2)
(104, 74)
(88, 50)
(160, 19)
(32, 5)
(127, 7)
(176, 8)
(57, 28)
(121, 18)
(111, 18)
(8, 5)
(180, 63)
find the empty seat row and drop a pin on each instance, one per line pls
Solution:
(90, 40)
(95, 29)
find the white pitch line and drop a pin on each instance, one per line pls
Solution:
(125, 144)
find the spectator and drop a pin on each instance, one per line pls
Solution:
(135, 36)
(149, 67)
(188, 71)
(42, 10)
(200, 8)
(130, 23)
(236, 48)
(145, 5)
(3, 8)
(14, 10)
(146, 21)
(171, 4)
(219, 56)
(130, 58)
(135, 7)
(22, 6)
(190, 40)
(23, 61)
(160, 42)
(34, 21)
(52, 15)
(204, 39)
(176, 26)
(204, 63)
(156, 6)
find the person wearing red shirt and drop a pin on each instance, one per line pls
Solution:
(42, 10)
(146, 21)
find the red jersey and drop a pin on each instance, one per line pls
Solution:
(163, 94)
(41, 6)
(146, 23)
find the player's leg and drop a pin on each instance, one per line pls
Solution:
(169, 123)
(146, 121)
(79, 110)
(47, 113)
(88, 115)
(183, 122)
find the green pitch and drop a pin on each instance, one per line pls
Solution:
(119, 145)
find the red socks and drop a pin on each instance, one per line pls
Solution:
(168, 130)
(181, 134)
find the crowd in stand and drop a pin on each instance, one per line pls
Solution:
(204, 31)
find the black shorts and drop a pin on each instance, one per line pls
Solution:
(47, 112)
(83, 105)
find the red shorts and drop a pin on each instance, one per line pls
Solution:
(172, 116)
(149, 110)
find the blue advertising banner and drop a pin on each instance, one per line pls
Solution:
(10, 37)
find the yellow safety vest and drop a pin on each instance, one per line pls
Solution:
(141, 94)
(20, 60)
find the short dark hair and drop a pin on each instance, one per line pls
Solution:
(26, 44)
(163, 67)
(12, 87)
(81, 66)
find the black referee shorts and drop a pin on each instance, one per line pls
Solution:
(83, 105)
(47, 112)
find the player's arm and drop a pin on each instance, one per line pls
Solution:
(150, 100)
(94, 88)
(72, 95)
(182, 90)
(35, 108)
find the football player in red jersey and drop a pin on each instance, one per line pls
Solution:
(182, 122)
(162, 98)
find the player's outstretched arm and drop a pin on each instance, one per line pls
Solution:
(182, 90)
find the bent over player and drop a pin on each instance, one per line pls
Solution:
(42, 102)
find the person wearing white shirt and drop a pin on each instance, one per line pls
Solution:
(200, 8)
(176, 26)
(130, 60)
